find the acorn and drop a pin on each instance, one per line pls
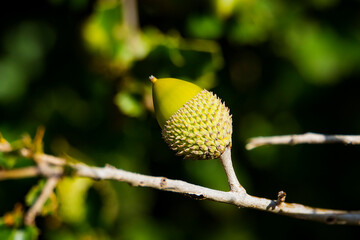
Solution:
(195, 122)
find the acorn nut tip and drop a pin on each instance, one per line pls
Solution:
(152, 78)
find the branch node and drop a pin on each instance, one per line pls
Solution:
(280, 198)
(26, 153)
(110, 166)
(163, 182)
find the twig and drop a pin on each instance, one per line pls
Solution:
(52, 160)
(130, 12)
(40, 201)
(239, 199)
(225, 159)
(237, 196)
(19, 173)
(307, 138)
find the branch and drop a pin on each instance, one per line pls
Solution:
(19, 173)
(225, 159)
(237, 197)
(307, 138)
(40, 201)
(130, 12)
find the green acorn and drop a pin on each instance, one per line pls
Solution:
(195, 123)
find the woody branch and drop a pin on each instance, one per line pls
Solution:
(52, 167)
(306, 138)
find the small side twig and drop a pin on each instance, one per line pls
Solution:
(233, 181)
(40, 201)
(131, 17)
(307, 138)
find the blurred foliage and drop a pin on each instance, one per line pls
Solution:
(80, 69)
(51, 203)
(11, 226)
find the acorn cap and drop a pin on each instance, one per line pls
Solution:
(195, 123)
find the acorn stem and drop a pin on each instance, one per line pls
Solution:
(233, 181)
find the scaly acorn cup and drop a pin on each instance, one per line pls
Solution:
(195, 123)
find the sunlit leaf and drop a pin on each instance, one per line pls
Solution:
(129, 105)
(72, 193)
(321, 56)
(205, 26)
(34, 193)
(225, 8)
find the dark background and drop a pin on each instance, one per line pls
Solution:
(80, 69)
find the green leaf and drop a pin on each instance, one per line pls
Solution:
(128, 104)
(205, 26)
(28, 233)
(34, 193)
(72, 193)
